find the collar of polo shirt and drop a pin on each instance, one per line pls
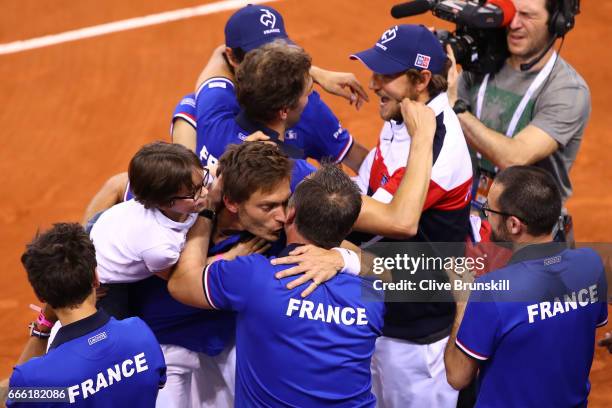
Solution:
(251, 126)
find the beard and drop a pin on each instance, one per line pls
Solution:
(501, 236)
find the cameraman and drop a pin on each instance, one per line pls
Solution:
(534, 109)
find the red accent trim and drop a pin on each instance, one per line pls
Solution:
(471, 352)
(378, 170)
(437, 197)
(345, 150)
(453, 199)
(206, 290)
(181, 114)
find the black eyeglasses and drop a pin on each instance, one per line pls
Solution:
(206, 179)
(486, 210)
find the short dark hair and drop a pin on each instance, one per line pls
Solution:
(270, 78)
(239, 54)
(327, 205)
(61, 264)
(438, 82)
(159, 170)
(531, 194)
(250, 167)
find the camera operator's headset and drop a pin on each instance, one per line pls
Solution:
(563, 17)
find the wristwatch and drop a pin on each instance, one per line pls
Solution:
(461, 106)
(208, 213)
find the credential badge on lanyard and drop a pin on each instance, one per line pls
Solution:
(486, 178)
(537, 82)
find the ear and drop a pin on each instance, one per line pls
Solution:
(514, 225)
(283, 114)
(425, 79)
(229, 53)
(230, 205)
(290, 216)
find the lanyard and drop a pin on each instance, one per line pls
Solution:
(537, 82)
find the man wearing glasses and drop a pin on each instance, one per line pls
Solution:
(141, 237)
(531, 345)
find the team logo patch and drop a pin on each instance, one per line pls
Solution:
(189, 102)
(220, 84)
(267, 18)
(291, 135)
(98, 337)
(422, 61)
(389, 35)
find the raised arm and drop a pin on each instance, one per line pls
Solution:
(110, 194)
(400, 217)
(215, 67)
(343, 84)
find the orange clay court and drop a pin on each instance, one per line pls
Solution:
(74, 113)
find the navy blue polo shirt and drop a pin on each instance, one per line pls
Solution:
(310, 352)
(224, 123)
(318, 134)
(101, 361)
(535, 342)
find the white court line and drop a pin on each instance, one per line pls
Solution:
(123, 25)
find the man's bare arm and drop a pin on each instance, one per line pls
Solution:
(400, 218)
(110, 194)
(183, 133)
(185, 283)
(529, 146)
(460, 369)
(215, 67)
(343, 84)
(355, 156)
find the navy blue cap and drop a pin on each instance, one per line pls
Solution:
(403, 47)
(253, 26)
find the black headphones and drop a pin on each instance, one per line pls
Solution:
(562, 18)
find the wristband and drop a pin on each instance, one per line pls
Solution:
(208, 213)
(42, 321)
(36, 333)
(461, 106)
(352, 264)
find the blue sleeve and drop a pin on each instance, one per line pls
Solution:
(325, 137)
(227, 284)
(16, 380)
(301, 170)
(185, 110)
(216, 109)
(479, 330)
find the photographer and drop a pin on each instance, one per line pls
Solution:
(534, 109)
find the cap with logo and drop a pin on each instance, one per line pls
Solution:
(253, 26)
(403, 47)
